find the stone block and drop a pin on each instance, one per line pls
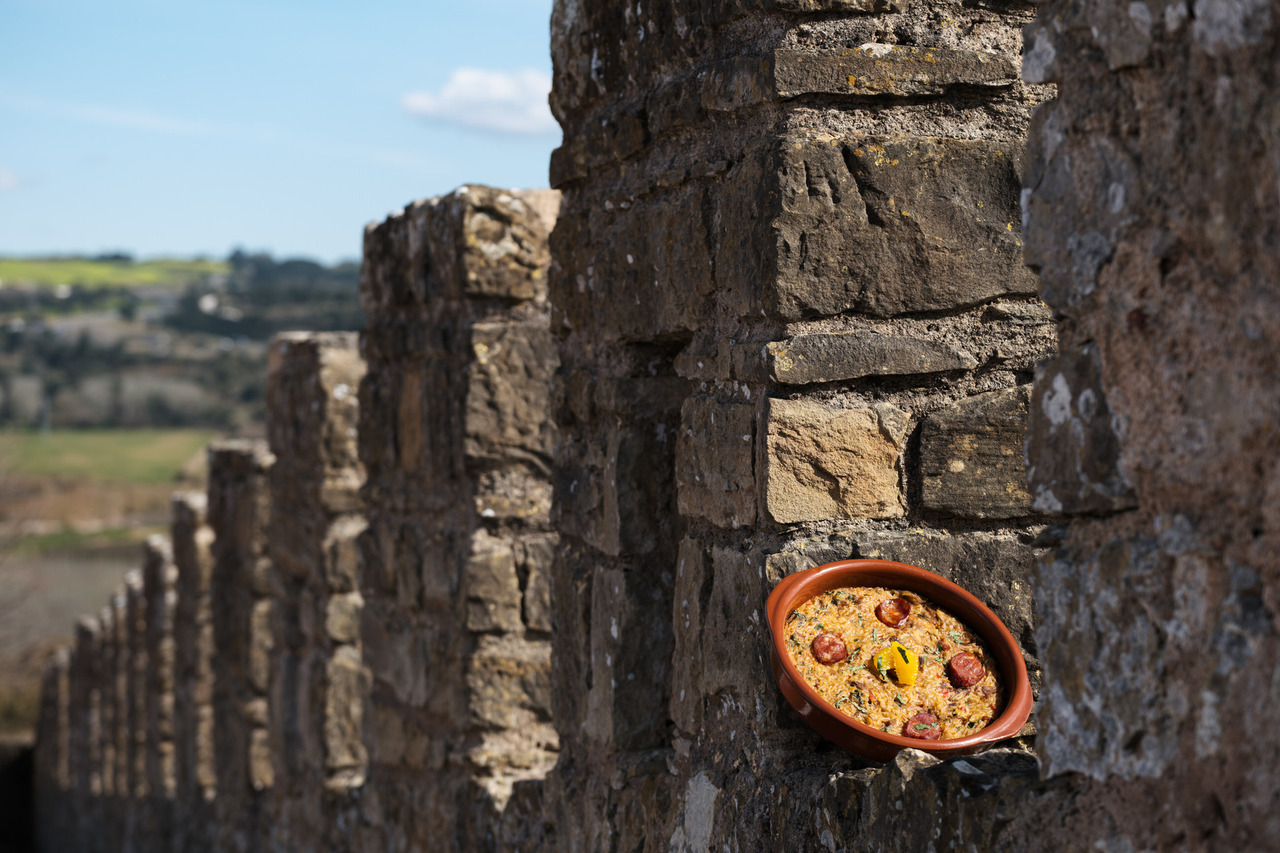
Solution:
(261, 644)
(514, 492)
(313, 379)
(971, 460)
(831, 357)
(394, 266)
(651, 258)
(508, 682)
(715, 461)
(537, 559)
(689, 604)
(341, 560)
(805, 553)
(1074, 443)
(889, 226)
(605, 489)
(491, 585)
(629, 652)
(261, 774)
(344, 700)
(874, 70)
(828, 462)
(735, 633)
(488, 242)
(342, 617)
(508, 413)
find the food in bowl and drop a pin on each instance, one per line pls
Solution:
(892, 660)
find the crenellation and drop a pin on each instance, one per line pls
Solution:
(238, 512)
(309, 671)
(457, 443)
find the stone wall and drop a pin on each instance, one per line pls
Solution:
(1152, 214)
(287, 675)
(794, 327)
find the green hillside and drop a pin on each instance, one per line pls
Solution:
(106, 272)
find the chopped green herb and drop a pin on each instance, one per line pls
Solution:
(922, 726)
(859, 666)
(955, 636)
(898, 698)
(881, 668)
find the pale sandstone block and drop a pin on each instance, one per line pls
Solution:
(829, 462)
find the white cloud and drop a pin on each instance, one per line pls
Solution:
(489, 100)
(8, 180)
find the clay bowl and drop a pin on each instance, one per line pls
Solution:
(871, 743)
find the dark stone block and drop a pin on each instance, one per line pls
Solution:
(887, 70)
(715, 451)
(895, 226)
(971, 459)
(806, 359)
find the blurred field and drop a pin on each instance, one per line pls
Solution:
(140, 456)
(89, 273)
(75, 507)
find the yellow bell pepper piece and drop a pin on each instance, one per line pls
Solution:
(906, 663)
(884, 663)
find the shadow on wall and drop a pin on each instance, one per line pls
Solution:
(17, 772)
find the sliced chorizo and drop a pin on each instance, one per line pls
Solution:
(924, 726)
(828, 649)
(965, 670)
(893, 612)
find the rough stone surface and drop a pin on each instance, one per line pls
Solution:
(892, 226)
(806, 359)
(715, 461)
(1150, 210)
(1075, 439)
(970, 458)
(882, 69)
(457, 443)
(731, 198)
(825, 462)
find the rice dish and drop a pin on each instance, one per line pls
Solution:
(894, 661)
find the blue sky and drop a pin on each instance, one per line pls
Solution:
(168, 127)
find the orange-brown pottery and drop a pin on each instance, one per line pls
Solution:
(871, 743)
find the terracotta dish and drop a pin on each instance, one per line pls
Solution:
(871, 743)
